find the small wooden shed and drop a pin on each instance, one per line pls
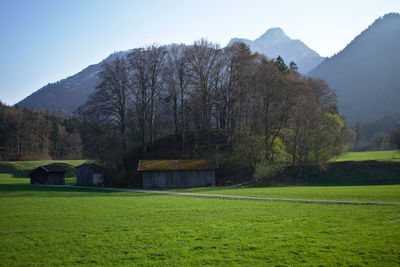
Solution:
(177, 173)
(89, 174)
(48, 174)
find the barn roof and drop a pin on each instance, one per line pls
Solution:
(91, 165)
(177, 165)
(53, 168)
(49, 168)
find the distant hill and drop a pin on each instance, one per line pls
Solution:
(275, 42)
(65, 95)
(366, 73)
(68, 94)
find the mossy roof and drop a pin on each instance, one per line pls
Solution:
(177, 165)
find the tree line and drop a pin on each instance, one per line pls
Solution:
(36, 135)
(270, 115)
(376, 134)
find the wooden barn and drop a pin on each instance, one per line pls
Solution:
(48, 174)
(89, 174)
(177, 173)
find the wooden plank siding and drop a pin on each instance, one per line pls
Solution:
(178, 178)
(177, 173)
(89, 174)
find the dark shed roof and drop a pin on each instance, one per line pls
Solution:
(177, 165)
(50, 168)
(53, 168)
(92, 166)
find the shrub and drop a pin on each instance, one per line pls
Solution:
(267, 171)
(394, 137)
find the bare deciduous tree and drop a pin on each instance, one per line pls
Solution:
(204, 67)
(178, 84)
(235, 89)
(108, 104)
(140, 91)
(156, 66)
(147, 77)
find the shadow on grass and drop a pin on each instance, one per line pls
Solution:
(348, 173)
(70, 191)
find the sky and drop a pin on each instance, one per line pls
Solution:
(43, 41)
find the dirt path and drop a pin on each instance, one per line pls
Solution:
(228, 196)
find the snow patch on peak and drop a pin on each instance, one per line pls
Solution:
(274, 42)
(274, 34)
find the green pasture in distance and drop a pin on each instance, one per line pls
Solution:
(71, 226)
(385, 155)
(17, 171)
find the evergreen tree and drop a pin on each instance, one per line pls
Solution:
(281, 65)
(293, 67)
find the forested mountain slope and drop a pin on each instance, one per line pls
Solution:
(69, 93)
(366, 73)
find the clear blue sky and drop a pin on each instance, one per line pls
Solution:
(43, 41)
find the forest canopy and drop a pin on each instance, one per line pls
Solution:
(35, 135)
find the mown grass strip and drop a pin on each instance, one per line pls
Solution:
(224, 196)
(384, 193)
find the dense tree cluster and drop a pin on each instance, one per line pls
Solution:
(394, 138)
(270, 114)
(32, 135)
(375, 135)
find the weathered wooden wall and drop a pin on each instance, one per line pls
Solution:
(177, 178)
(86, 175)
(56, 178)
(42, 177)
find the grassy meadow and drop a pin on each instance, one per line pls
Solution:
(44, 225)
(71, 226)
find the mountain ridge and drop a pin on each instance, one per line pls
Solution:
(67, 94)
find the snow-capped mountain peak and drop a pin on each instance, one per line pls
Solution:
(274, 42)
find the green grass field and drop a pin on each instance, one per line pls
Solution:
(386, 155)
(70, 226)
